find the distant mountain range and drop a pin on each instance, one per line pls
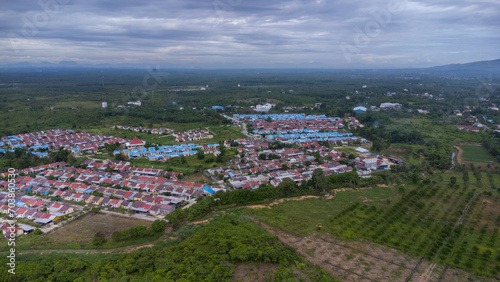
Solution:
(68, 64)
(468, 69)
(483, 67)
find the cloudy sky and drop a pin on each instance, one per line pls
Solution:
(251, 33)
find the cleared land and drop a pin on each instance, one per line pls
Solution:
(83, 229)
(78, 234)
(353, 261)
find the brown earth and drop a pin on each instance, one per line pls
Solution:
(354, 261)
(460, 155)
(490, 214)
(254, 272)
(83, 229)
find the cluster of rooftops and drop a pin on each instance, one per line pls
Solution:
(58, 138)
(138, 189)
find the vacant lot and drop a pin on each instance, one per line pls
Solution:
(79, 233)
(476, 154)
(197, 177)
(83, 229)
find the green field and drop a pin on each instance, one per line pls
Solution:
(302, 217)
(477, 154)
(417, 219)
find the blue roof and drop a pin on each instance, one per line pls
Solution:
(209, 190)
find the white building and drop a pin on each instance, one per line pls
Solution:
(104, 105)
(393, 106)
(264, 108)
(360, 109)
(138, 103)
(371, 163)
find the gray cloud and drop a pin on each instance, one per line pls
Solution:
(239, 33)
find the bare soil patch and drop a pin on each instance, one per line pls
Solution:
(489, 215)
(83, 229)
(197, 177)
(353, 261)
(254, 272)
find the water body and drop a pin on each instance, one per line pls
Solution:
(452, 160)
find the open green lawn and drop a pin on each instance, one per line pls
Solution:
(476, 154)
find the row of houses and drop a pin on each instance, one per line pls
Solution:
(90, 179)
(266, 124)
(58, 138)
(261, 165)
(163, 153)
(192, 135)
(161, 130)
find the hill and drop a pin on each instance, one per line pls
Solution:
(481, 67)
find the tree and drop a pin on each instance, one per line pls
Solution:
(220, 158)
(287, 187)
(466, 175)
(200, 155)
(453, 180)
(318, 180)
(38, 232)
(222, 148)
(415, 177)
(175, 221)
(98, 239)
(158, 226)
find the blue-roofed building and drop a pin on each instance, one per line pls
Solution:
(209, 190)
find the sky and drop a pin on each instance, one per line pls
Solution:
(251, 33)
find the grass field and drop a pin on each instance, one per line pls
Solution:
(476, 154)
(302, 217)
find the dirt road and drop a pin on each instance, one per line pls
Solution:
(306, 197)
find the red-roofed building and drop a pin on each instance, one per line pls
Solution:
(135, 143)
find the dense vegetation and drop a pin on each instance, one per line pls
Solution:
(210, 254)
(20, 159)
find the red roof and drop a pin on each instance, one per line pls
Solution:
(136, 141)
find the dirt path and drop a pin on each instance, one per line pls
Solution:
(427, 274)
(121, 250)
(307, 197)
(287, 199)
(460, 155)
